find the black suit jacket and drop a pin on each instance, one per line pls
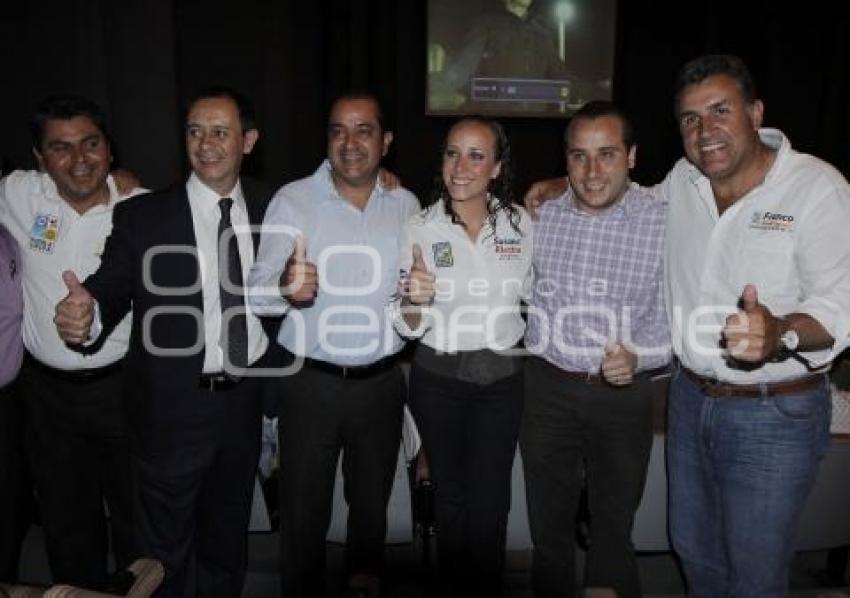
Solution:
(150, 265)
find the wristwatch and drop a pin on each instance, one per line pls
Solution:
(789, 340)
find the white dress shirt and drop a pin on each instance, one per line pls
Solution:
(205, 218)
(479, 284)
(53, 238)
(788, 237)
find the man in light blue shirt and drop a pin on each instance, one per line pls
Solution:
(328, 260)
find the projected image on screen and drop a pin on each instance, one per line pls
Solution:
(519, 57)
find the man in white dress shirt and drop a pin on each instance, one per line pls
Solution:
(757, 276)
(179, 256)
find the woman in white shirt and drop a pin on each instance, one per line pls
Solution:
(466, 267)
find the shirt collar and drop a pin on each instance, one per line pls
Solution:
(437, 213)
(324, 179)
(49, 190)
(618, 211)
(772, 138)
(208, 199)
(777, 141)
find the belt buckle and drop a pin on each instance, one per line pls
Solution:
(715, 388)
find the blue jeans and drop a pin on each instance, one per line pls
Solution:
(739, 471)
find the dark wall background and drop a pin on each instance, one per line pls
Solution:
(141, 58)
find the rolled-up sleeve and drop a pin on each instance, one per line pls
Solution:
(823, 262)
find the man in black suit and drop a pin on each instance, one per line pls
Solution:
(193, 406)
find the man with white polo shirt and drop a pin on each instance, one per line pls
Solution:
(60, 218)
(177, 258)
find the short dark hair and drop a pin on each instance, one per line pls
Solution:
(597, 109)
(64, 107)
(702, 67)
(244, 106)
(369, 97)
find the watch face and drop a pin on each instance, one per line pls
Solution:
(790, 339)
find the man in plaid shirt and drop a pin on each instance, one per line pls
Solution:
(597, 332)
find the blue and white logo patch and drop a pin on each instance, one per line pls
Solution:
(44, 233)
(443, 257)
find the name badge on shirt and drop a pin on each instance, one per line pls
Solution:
(44, 232)
(443, 254)
(772, 221)
(508, 248)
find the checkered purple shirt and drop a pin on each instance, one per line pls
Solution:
(598, 278)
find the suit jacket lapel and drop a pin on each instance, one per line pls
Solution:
(179, 212)
(257, 197)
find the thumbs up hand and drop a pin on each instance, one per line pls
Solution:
(421, 284)
(74, 314)
(753, 333)
(618, 365)
(299, 281)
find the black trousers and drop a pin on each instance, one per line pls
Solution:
(15, 489)
(571, 433)
(469, 433)
(322, 413)
(194, 499)
(79, 454)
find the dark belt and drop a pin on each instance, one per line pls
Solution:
(83, 376)
(357, 372)
(597, 379)
(217, 381)
(717, 389)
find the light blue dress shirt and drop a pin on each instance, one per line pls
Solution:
(356, 253)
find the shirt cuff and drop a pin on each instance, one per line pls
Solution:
(652, 359)
(834, 322)
(96, 327)
(396, 314)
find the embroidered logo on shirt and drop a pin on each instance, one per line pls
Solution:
(443, 254)
(44, 232)
(507, 248)
(772, 221)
